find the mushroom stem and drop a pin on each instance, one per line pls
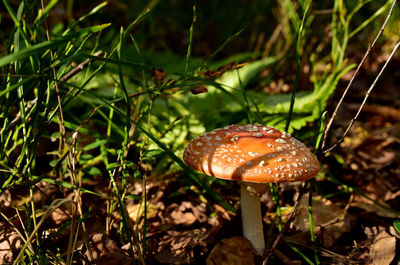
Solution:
(251, 220)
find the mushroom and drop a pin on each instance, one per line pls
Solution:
(254, 155)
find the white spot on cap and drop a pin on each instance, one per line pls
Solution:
(253, 154)
(279, 149)
(280, 140)
(218, 138)
(257, 134)
(235, 138)
(262, 163)
(293, 153)
(199, 144)
(251, 128)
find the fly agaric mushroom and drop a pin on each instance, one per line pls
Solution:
(254, 155)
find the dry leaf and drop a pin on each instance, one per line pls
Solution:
(9, 244)
(157, 74)
(324, 213)
(185, 213)
(230, 66)
(177, 247)
(59, 216)
(114, 258)
(374, 208)
(136, 211)
(198, 90)
(329, 220)
(102, 245)
(210, 73)
(383, 249)
(232, 251)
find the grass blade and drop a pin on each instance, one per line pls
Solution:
(48, 45)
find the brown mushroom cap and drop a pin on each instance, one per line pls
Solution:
(251, 153)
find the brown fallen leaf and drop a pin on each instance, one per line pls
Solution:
(114, 258)
(58, 216)
(136, 211)
(222, 69)
(9, 244)
(185, 213)
(157, 74)
(231, 66)
(232, 251)
(198, 90)
(178, 247)
(329, 220)
(383, 249)
(101, 245)
(210, 73)
(5, 198)
(374, 208)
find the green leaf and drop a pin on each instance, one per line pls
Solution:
(396, 224)
(154, 152)
(94, 145)
(94, 171)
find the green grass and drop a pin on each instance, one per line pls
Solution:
(111, 118)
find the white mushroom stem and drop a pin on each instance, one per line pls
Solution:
(251, 220)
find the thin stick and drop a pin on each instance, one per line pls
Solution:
(79, 67)
(365, 99)
(328, 126)
(286, 226)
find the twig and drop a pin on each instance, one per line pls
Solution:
(17, 118)
(78, 198)
(79, 67)
(328, 126)
(289, 221)
(365, 99)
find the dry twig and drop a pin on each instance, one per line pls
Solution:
(328, 126)
(365, 99)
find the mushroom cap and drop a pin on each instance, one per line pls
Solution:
(251, 153)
